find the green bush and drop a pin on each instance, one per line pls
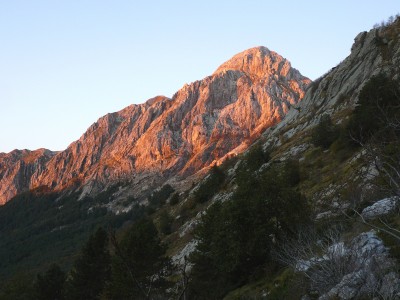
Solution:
(210, 186)
(165, 223)
(19, 286)
(378, 105)
(256, 157)
(325, 133)
(160, 197)
(174, 199)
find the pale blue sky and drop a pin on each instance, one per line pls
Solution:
(64, 64)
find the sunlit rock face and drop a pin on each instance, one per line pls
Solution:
(16, 169)
(203, 122)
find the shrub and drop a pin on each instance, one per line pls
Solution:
(19, 286)
(377, 107)
(174, 199)
(210, 185)
(165, 222)
(256, 157)
(325, 133)
(159, 197)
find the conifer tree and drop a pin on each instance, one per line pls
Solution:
(50, 285)
(139, 265)
(91, 270)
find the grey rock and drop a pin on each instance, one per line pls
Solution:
(370, 267)
(368, 244)
(325, 96)
(179, 258)
(347, 288)
(380, 208)
(390, 287)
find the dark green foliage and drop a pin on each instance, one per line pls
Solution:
(165, 222)
(343, 147)
(235, 237)
(105, 196)
(18, 287)
(251, 162)
(256, 157)
(378, 105)
(32, 224)
(174, 199)
(209, 274)
(50, 285)
(159, 197)
(91, 270)
(375, 123)
(139, 264)
(325, 133)
(288, 173)
(210, 185)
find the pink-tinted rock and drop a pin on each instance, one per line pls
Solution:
(200, 124)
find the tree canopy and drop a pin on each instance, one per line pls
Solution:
(235, 237)
(91, 271)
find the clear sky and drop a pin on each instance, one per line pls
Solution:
(65, 63)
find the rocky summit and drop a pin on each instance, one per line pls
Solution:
(203, 123)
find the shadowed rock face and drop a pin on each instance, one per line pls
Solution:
(203, 122)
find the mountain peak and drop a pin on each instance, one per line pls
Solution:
(162, 138)
(257, 61)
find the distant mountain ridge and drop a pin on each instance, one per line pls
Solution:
(203, 122)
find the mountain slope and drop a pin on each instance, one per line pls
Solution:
(203, 122)
(335, 179)
(373, 52)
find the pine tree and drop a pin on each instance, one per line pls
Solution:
(91, 270)
(235, 237)
(50, 285)
(139, 266)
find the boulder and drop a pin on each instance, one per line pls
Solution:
(380, 208)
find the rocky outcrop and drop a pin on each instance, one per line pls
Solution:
(380, 208)
(16, 169)
(371, 271)
(204, 121)
(372, 53)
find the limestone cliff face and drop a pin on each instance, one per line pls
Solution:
(16, 169)
(203, 122)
